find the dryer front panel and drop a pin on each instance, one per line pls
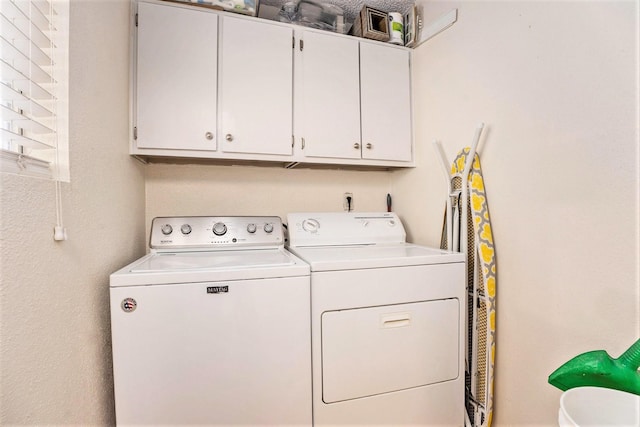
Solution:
(375, 350)
(387, 346)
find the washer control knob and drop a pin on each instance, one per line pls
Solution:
(219, 228)
(166, 229)
(251, 228)
(311, 225)
(186, 229)
(268, 228)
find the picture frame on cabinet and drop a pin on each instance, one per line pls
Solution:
(371, 24)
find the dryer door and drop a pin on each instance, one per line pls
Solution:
(375, 350)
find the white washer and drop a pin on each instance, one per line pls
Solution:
(386, 322)
(212, 327)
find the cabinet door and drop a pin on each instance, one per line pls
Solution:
(385, 81)
(256, 87)
(176, 74)
(331, 96)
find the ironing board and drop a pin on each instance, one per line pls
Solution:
(467, 207)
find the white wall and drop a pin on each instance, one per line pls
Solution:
(556, 84)
(55, 353)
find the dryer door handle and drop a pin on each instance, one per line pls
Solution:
(395, 320)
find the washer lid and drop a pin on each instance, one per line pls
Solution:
(186, 267)
(331, 258)
(179, 261)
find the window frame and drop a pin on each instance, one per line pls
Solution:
(52, 163)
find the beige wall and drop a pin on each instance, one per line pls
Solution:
(55, 355)
(556, 84)
(247, 190)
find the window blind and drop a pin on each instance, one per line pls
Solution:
(29, 80)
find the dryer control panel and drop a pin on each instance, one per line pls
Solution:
(215, 232)
(344, 228)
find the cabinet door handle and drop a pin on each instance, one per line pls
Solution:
(356, 146)
(229, 137)
(209, 136)
(369, 146)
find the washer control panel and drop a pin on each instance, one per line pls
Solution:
(344, 228)
(211, 232)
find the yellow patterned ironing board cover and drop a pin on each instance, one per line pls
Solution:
(481, 303)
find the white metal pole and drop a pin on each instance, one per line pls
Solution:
(473, 363)
(445, 168)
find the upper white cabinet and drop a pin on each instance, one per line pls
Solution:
(330, 92)
(221, 86)
(176, 78)
(256, 87)
(356, 100)
(385, 91)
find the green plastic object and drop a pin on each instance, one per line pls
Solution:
(598, 369)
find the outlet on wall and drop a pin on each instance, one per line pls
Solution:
(347, 202)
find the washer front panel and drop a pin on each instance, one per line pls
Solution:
(213, 353)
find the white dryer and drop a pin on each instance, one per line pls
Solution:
(212, 327)
(387, 321)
